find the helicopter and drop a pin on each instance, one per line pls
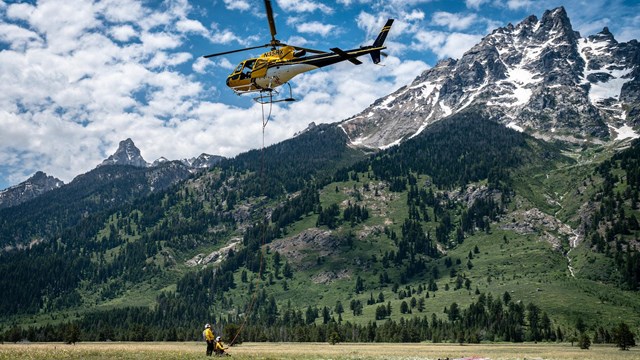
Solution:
(283, 62)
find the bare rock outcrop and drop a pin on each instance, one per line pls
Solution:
(214, 257)
(473, 192)
(327, 277)
(534, 221)
(313, 240)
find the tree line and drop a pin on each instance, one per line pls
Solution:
(489, 318)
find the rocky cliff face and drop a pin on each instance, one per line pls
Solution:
(36, 185)
(203, 161)
(127, 154)
(539, 76)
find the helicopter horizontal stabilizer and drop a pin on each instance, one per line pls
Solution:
(346, 56)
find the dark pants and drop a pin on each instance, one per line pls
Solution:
(209, 348)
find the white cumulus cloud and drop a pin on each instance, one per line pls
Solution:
(315, 27)
(191, 26)
(453, 21)
(445, 45)
(242, 5)
(18, 37)
(475, 4)
(301, 6)
(123, 33)
(519, 4)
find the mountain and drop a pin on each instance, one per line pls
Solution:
(539, 76)
(204, 161)
(89, 194)
(34, 186)
(469, 215)
(121, 179)
(164, 173)
(466, 231)
(159, 161)
(126, 154)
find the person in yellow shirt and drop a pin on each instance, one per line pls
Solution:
(219, 349)
(209, 338)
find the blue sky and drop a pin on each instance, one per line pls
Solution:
(78, 76)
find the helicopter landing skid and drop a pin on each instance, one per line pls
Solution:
(267, 96)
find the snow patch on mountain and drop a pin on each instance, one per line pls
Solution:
(514, 126)
(397, 142)
(607, 82)
(610, 88)
(522, 78)
(625, 132)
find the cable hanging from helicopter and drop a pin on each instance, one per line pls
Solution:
(274, 68)
(283, 62)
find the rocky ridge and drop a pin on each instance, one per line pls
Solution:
(36, 185)
(539, 76)
(161, 174)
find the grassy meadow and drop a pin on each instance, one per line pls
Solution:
(193, 350)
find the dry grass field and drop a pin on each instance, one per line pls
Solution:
(311, 351)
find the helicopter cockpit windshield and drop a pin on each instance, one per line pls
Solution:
(245, 68)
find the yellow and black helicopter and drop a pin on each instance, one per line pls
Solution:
(276, 67)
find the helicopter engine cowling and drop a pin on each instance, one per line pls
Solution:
(299, 53)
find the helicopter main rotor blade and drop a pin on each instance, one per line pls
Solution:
(310, 50)
(235, 51)
(272, 23)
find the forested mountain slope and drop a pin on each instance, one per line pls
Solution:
(99, 190)
(462, 233)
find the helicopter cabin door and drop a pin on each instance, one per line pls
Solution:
(260, 69)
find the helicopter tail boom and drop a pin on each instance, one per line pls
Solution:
(375, 55)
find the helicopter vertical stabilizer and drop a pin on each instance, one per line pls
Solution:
(375, 55)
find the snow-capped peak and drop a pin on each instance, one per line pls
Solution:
(539, 76)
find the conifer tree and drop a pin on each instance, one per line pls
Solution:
(623, 336)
